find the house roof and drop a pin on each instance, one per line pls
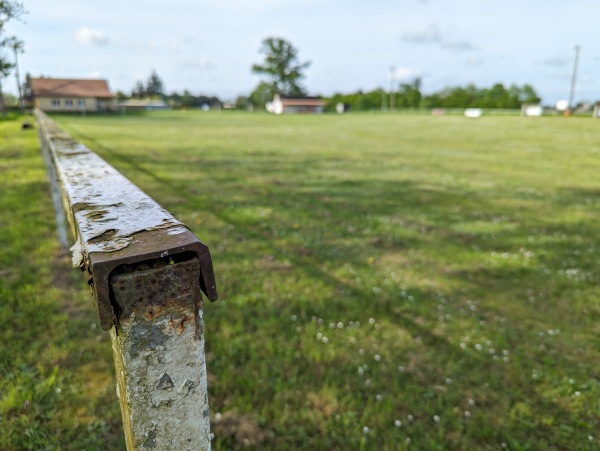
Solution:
(70, 87)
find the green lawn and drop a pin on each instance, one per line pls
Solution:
(384, 279)
(56, 384)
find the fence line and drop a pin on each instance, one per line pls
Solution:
(147, 272)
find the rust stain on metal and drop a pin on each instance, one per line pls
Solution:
(170, 292)
(158, 290)
(179, 324)
(152, 312)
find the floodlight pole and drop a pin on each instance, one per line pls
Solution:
(574, 78)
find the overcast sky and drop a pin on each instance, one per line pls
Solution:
(209, 47)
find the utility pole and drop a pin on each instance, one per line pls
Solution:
(574, 78)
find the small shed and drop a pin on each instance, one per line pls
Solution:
(294, 105)
(72, 95)
(144, 105)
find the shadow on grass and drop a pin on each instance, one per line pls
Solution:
(507, 265)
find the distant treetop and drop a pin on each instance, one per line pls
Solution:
(282, 67)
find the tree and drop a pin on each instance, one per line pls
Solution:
(5, 68)
(243, 103)
(528, 95)
(9, 9)
(138, 90)
(155, 86)
(410, 94)
(470, 96)
(262, 94)
(188, 99)
(122, 96)
(282, 68)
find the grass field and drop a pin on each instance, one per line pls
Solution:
(56, 386)
(385, 281)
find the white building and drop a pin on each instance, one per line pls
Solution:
(291, 105)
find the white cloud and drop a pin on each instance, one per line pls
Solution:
(432, 35)
(87, 36)
(557, 62)
(200, 63)
(458, 46)
(425, 36)
(147, 46)
(94, 74)
(404, 74)
(474, 62)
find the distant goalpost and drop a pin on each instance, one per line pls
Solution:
(596, 112)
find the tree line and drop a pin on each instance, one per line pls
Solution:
(409, 95)
(154, 88)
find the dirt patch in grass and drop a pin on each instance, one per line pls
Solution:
(242, 428)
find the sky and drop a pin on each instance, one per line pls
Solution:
(208, 47)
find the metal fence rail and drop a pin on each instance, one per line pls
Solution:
(147, 272)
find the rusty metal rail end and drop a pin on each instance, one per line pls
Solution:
(115, 223)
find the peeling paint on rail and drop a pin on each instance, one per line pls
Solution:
(108, 208)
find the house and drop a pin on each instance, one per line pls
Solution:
(290, 105)
(143, 105)
(69, 94)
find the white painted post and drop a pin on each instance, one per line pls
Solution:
(158, 346)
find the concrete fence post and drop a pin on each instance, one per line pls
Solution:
(147, 272)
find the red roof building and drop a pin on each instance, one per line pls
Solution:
(290, 105)
(76, 95)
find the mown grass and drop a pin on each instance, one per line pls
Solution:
(385, 281)
(56, 386)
